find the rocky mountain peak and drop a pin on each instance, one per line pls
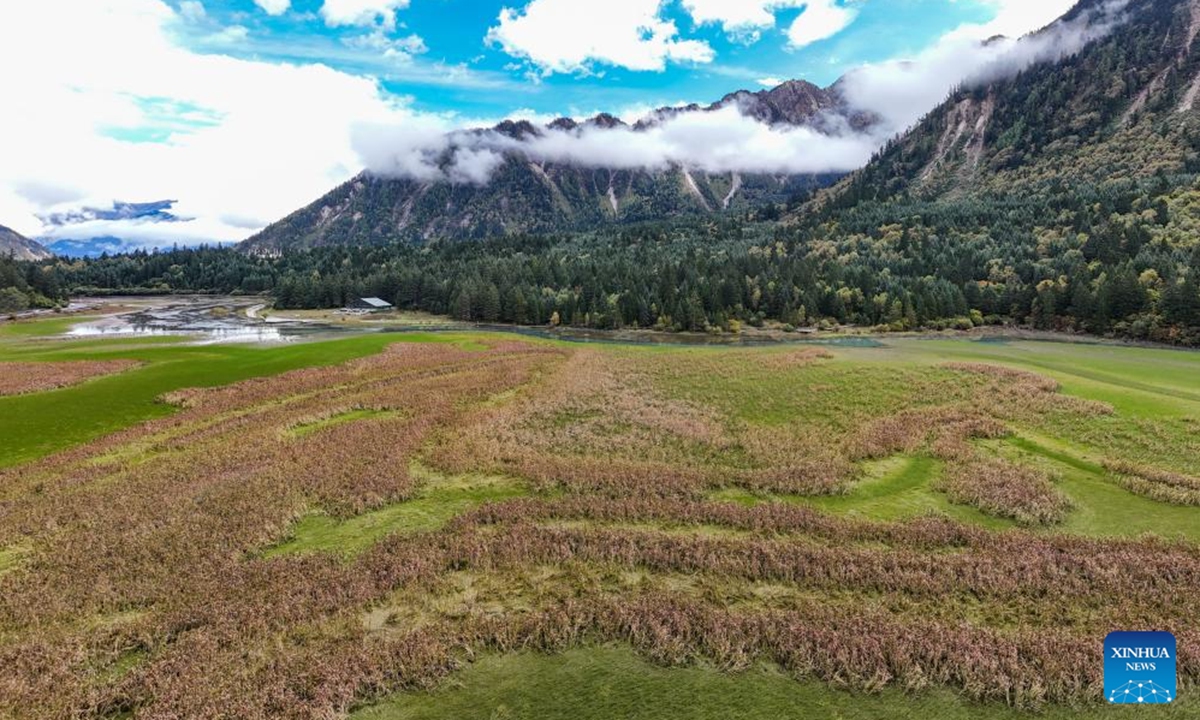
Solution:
(22, 248)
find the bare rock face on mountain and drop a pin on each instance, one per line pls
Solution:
(795, 102)
(527, 195)
(21, 247)
(1125, 106)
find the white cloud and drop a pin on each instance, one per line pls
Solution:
(737, 14)
(568, 36)
(228, 35)
(362, 12)
(770, 82)
(397, 49)
(821, 19)
(192, 10)
(144, 233)
(248, 141)
(274, 7)
(632, 112)
(743, 20)
(897, 92)
(901, 91)
(1015, 18)
(526, 114)
(719, 141)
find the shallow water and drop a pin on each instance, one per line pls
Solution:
(212, 335)
(205, 319)
(211, 319)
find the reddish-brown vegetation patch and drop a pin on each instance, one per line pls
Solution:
(600, 425)
(944, 428)
(1019, 393)
(17, 378)
(791, 359)
(1161, 485)
(999, 487)
(147, 544)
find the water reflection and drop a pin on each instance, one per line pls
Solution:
(205, 320)
(88, 330)
(206, 335)
(208, 320)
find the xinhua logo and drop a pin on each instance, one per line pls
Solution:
(1139, 668)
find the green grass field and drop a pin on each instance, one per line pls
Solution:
(710, 404)
(440, 500)
(1141, 381)
(1155, 394)
(1156, 397)
(35, 425)
(898, 487)
(605, 683)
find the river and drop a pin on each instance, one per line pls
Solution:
(222, 319)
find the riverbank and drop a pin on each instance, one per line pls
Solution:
(213, 318)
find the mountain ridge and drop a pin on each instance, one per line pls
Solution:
(1102, 113)
(536, 196)
(1061, 193)
(20, 247)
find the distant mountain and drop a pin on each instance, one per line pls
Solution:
(531, 196)
(158, 210)
(795, 102)
(1058, 189)
(93, 247)
(93, 231)
(1062, 194)
(1122, 108)
(21, 247)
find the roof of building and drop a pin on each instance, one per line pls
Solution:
(375, 302)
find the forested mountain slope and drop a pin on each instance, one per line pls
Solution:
(1066, 196)
(527, 195)
(523, 196)
(1125, 107)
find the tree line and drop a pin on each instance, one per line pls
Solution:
(1113, 259)
(25, 286)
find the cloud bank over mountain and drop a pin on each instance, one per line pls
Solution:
(722, 140)
(237, 142)
(895, 94)
(902, 91)
(241, 140)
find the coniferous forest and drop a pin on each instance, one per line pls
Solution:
(1064, 197)
(25, 286)
(204, 515)
(1114, 259)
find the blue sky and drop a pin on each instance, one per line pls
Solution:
(444, 60)
(242, 111)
